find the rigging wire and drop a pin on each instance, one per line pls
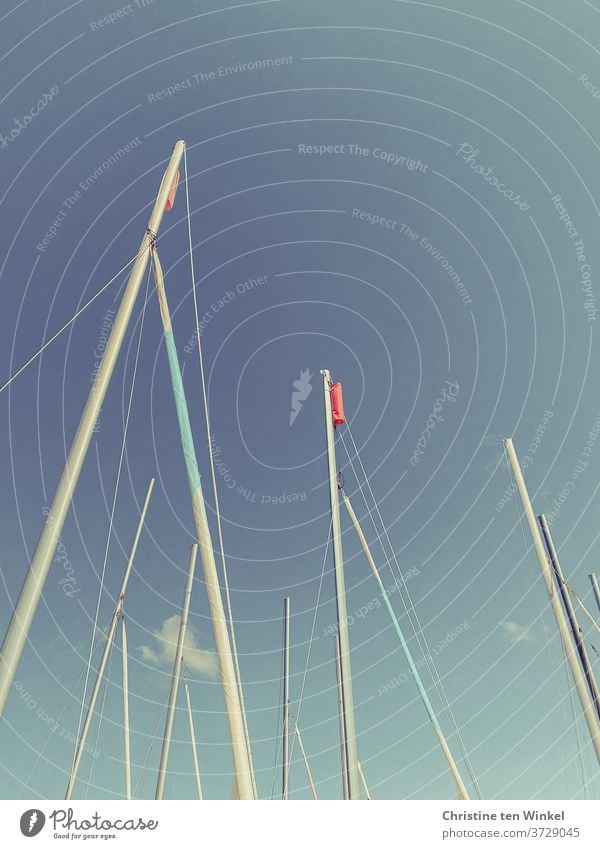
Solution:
(112, 512)
(409, 609)
(214, 477)
(68, 324)
(310, 642)
(101, 717)
(55, 727)
(582, 605)
(149, 752)
(306, 764)
(584, 775)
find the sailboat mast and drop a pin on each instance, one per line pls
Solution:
(185, 612)
(353, 777)
(18, 630)
(244, 785)
(193, 739)
(561, 621)
(286, 699)
(570, 611)
(595, 588)
(461, 790)
(340, 699)
(127, 758)
(106, 652)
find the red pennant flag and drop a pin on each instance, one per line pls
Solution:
(172, 193)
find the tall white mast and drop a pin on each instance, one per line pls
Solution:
(127, 758)
(240, 744)
(596, 589)
(353, 777)
(340, 698)
(563, 627)
(286, 699)
(109, 641)
(185, 612)
(18, 630)
(193, 739)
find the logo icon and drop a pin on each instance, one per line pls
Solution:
(302, 389)
(32, 822)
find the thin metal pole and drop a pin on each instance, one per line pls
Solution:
(561, 621)
(308, 772)
(109, 639)
(364, 781)
(596, 589)
(240, 743)
(126, 710)
(193, 738)
(286, 699)
(461, 790)
(570, 611)
(185, 612)
(354, 789)
(343, 746)
(18, 630)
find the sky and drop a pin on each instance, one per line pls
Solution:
(403, 193)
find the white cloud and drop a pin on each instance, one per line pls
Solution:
(195, 658)
(515, 633)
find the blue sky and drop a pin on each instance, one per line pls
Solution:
(402, 193)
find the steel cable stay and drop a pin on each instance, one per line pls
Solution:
(40, 753)
(311, 639)
(79, 312)
(410, 611)
(101, 716)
